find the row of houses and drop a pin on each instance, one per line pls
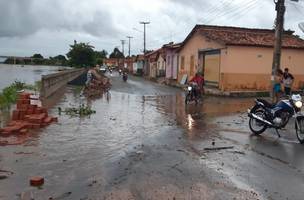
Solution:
(230, 58)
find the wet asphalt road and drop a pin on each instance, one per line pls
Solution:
(143, 143)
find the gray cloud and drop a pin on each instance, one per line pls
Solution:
(49, 26)
(16, 18)
(23, 18)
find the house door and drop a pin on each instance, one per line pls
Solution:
(212, 68)
(192, 70)
(201, 56)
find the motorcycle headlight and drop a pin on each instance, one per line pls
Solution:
(298, 104)
(189, 88)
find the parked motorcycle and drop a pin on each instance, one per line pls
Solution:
(265, 115)
(192, 93)
(125, 77)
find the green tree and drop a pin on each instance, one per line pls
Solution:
(81, 55)
(116, 54)
(37, 56)
(38, 59)
(61, 60)
(100, 56)
(60, 57)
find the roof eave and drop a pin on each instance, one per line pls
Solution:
(265, 46)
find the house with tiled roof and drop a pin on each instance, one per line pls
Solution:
(161, 63)
(156, 63)
(236, 59)
(129, 61)
(111, 62)
(138, 65)
(171, 52)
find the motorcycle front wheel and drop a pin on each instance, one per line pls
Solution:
(187, 98)
(255, 125)
(300, 129)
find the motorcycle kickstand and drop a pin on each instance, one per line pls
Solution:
(278, 133)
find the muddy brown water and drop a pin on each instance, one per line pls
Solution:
(27, 73)
(24, 73)
(78, 152)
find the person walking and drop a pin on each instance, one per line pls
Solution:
(277, 85)
(287, 81)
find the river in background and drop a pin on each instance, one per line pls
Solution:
(27, 73)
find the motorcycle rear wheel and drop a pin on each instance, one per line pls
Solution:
(300, 129)
(256, 126)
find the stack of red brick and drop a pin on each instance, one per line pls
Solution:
(95, 85)
(27, 116)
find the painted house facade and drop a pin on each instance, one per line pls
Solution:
(129, 61)
(111, 62)
(161, 63)
(138, 65)
(235, 59)
(151, 64)
(172, 60)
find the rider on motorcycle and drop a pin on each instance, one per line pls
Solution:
(197, 82)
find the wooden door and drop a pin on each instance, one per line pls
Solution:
(192, 70)
(212, 68)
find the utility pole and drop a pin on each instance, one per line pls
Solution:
(145, 62)
(279, 29)
(123, 46)
(123, 51)
(129, 45)
(144, 23)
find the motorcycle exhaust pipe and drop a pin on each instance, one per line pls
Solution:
(259, 119)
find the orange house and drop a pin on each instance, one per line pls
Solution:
(129, 61)
(152, 58)
(111, 62)
(236, 59)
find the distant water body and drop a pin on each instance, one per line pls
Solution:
(27, 73)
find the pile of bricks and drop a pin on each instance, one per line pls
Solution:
(97, 87)
(27, 116)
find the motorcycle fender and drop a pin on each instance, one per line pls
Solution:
(255, 107)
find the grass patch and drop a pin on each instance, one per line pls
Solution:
(80, 111)
(9, 95)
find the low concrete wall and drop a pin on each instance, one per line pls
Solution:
(53, 82)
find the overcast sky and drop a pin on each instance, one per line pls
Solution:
(49, 26)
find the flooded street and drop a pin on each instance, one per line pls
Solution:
(143, 143)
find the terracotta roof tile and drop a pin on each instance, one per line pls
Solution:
(246, 36)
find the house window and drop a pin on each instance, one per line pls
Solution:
(168, 60)
(182, 62)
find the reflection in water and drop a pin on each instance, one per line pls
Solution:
(193, 117)
(190, 121)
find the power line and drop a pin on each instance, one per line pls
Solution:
(232, 10)
(220, 14)
(216, 11)
(297, 9)
(244, 11)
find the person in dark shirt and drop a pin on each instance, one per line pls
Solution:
(287, 81)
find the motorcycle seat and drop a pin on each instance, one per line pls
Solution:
(266, 103)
